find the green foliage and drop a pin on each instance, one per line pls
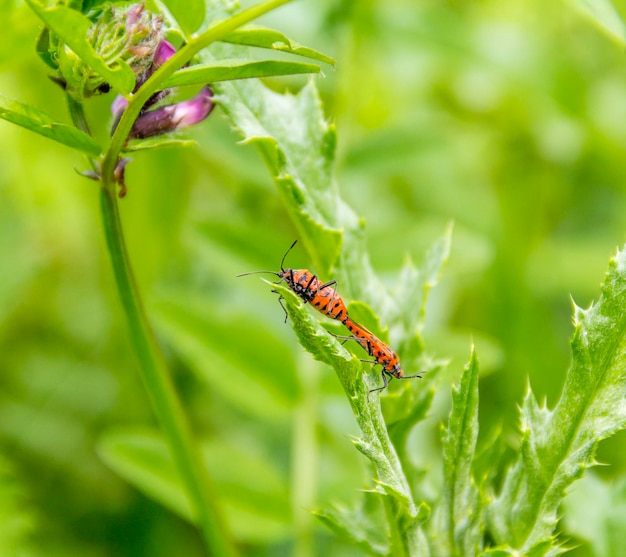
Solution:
(64, 45)
(199, 335)
(237, 69)
(459, 529)
(72, 28)
(557, 446)
(261, 37)
(254, 504)
(39, 122)
(594, 512)
(483, 127)
(306, 184)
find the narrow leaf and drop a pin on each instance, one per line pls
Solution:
(459, 518)
(269, 38)
(557, 446)
(228, 70)
(415, 284)
(158, 142)
(35, 120)
(72, 26)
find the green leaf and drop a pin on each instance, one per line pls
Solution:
(557, 446)
(298, 157)
(268, 38)
(43, 48)
(375, 443)
(250, 374)
(158, 142)
(143, 459)
(403, 410)
(256, 504)
(359, 526)
(595, 511)
(189, 14)
(298, 145)
(35, 120)
(414, 284)
(604, 15)
(320, 343)
(72, 27)
(460, 522)
(237, 69)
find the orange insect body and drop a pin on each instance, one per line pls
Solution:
(377, 349)
(324, 298)
(311, 290)
(320, 295)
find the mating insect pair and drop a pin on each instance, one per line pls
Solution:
(327, 301)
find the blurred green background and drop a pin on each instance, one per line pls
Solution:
(508, 118)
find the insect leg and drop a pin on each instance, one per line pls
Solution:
(385, 383)
(280, 301)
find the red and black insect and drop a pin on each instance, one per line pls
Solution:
(310, 289)
(383, 355)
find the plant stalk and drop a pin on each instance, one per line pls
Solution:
(157, 381)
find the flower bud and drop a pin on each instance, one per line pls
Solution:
(175, 116)
(164, 51)
(119, 33)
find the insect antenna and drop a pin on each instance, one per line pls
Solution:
(258, 273)
(282, 262)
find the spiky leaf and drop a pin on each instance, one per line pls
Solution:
(558, 445)
(460, 524)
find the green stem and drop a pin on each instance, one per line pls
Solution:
(159, 386)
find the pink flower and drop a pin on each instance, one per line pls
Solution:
(164, 51)
(175, 116)
(169, 118)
